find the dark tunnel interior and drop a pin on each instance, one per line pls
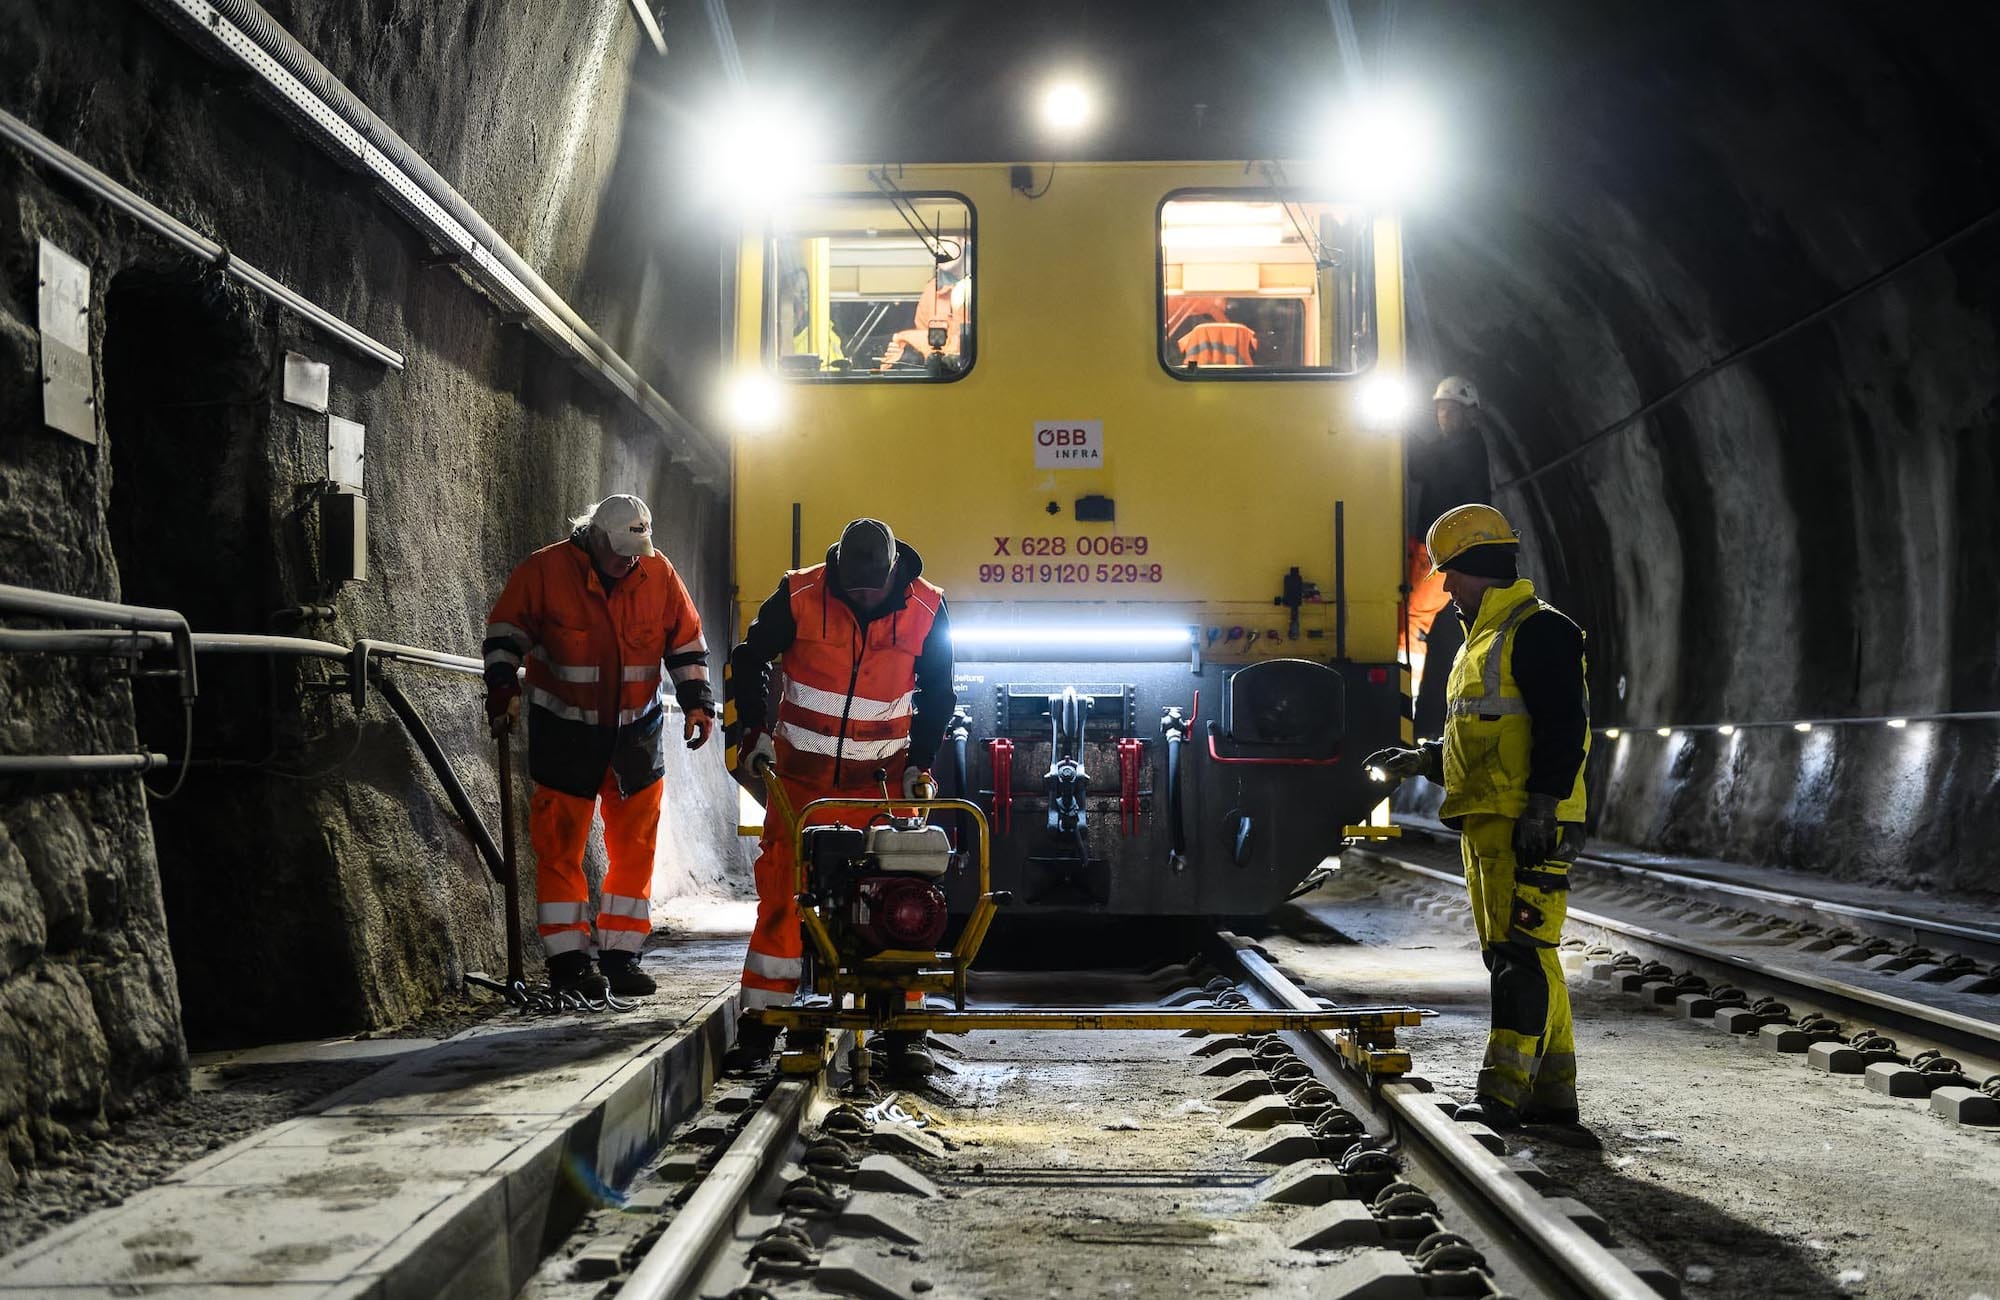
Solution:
(1726, 277)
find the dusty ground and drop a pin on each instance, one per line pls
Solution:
(236, 1093)
(227, 1103)
(1749, 1174)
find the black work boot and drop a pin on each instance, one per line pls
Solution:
(1490, 1111)
(755, 1041)
(570, 975)
(1562, 1125)
(622, 973)
(908, 1056)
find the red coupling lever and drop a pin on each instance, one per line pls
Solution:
(1130, 751)
(1001, 751)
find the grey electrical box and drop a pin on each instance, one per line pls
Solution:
(343, 536)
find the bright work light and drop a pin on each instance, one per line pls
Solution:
(1383, 401)
(1056, 636)
(757, 152)
(752, 402)
(1382, 151)
(1067, 107)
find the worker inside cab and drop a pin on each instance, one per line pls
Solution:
(939, 333)
(807, 343)
(1219, 341)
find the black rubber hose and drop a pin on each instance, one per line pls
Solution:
(958, 774)
(447, 776)
(1176, 836)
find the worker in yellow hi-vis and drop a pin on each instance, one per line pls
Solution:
(1516, 734)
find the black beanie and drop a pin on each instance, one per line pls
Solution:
(1490, 561)
(866, 556)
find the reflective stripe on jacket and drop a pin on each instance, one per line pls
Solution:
(1223, 344)
(595, 663)
(848, 695)
(1488, 734)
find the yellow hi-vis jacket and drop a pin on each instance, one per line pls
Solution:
(1487, 731)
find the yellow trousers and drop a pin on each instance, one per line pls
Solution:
(1531, 1047)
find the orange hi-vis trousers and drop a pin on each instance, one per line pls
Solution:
(559, 826)
(775, 961)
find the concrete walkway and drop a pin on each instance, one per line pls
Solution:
(445, 1174)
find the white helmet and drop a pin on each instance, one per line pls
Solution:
(1454, 389)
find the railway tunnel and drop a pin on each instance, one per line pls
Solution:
(321, 318)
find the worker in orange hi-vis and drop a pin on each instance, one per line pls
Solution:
(863, 645)
(601, 621)
(1446, 467)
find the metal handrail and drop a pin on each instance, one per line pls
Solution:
(84, 609)
(160, 628)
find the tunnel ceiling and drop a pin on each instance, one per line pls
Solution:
(1631, 193)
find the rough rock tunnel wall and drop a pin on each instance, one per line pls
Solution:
(311, 876)
(1808, 534)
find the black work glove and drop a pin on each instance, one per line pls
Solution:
(503, 697)
(1536, 832)
(1399, 764)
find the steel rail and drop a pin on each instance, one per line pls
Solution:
(1308, 1018)
(676, 1263)
(1513, 1213)
(1899, 922)
(1885, 1010)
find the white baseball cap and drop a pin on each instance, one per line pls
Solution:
(627, 524)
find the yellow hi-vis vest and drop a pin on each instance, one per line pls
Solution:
(1487, 731)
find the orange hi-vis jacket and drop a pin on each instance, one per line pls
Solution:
(595, 664)
(849, 696)
(1224, 343)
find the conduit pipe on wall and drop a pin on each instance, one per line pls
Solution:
(75, 764)
(82, 609)
(82, 174)
(241, 34)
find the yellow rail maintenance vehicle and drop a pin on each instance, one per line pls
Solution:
(1138, 420)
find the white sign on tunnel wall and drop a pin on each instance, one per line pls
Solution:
(1069, 444)
(64, 308)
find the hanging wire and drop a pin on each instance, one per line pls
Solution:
(933, 240)
(187, 755)
(1751, 349)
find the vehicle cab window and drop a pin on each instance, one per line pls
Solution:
(1255, 285)
(871, 289)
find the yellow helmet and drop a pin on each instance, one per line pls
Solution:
(1461, 528)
